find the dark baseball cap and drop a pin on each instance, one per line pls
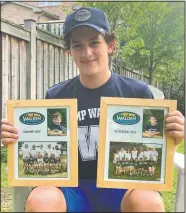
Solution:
(86, 16)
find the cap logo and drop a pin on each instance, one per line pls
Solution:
(83, 15)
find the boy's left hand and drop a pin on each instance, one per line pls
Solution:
(175, 126)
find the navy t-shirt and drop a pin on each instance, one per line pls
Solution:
(89, 112)
(151, 128)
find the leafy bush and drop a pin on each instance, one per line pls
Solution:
(4, 155)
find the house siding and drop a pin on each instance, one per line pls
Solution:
(17, 14)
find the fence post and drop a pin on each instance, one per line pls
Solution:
(30, 25)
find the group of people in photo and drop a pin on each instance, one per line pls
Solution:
(38, 160)
(135, 162)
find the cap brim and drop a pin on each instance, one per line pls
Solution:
(102, 31)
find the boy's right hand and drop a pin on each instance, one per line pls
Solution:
(9, 134)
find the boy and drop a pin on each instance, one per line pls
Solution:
(118, 167)
(131, 166)
(152, 130)
(121, 153)
(26, 165)
(136, 167)
(134, 153)
(116, 157)
(88, 39)
(57, 128)
(140, 163)
(141, 153)
(154, 154)
(152, 164)
(46, 160)
(26, 152)
(146, 153)
(40, 164)
(123, 166)
(145, 166)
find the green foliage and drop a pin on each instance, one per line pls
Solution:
(4, 155)
(172, 80)
(180, 148)
(150, 37)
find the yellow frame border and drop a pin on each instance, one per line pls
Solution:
(73, 179)
(105, 101)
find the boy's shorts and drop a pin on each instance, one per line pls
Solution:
(88, 198)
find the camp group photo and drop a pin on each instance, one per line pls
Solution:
(42, 159)
(135, 161)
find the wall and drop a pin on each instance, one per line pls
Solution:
(16, 14)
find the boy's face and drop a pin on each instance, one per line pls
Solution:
(57, 120)
(153, 121)
(90, 51)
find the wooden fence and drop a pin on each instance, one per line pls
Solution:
(33, 60)
(55, 27)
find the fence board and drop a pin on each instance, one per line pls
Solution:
(15, 68)
(62, 65)
(74, 68)
(6, 70)
(70, 67)
(56, 58)
(45, 67)
(14, 30)
(77, 70)
(39, 71)
(51, 65)
(66, 66)
(23, 77)
(52, 39)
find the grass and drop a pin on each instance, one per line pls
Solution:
(6, 204)
(169, 197)
(6, 192)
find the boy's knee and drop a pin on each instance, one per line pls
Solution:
(142, 201)
(46, 199)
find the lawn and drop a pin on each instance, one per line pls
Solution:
(169, 197)
(6, 205)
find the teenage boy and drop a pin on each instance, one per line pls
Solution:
(88, 39)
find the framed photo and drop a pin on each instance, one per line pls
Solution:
(46, 152)
(134, 150)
